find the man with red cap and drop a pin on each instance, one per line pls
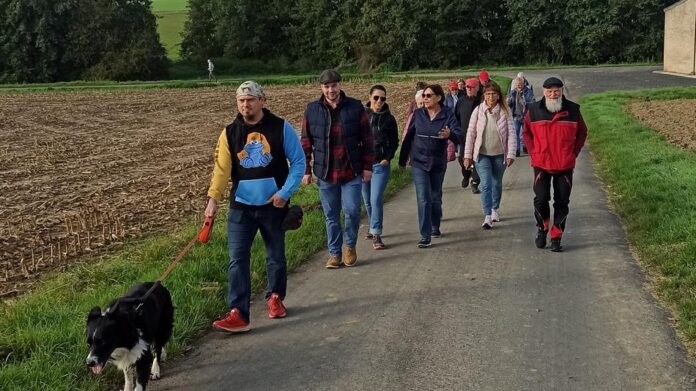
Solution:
(454, 95)
(483, 77)
(554, 133)
(483, 80)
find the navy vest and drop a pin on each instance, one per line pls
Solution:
(319, 120)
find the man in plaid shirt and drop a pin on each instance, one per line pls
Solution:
(336, 134)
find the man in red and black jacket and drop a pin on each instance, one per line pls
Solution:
(554, 133)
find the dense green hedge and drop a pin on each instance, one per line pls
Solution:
(60, 40)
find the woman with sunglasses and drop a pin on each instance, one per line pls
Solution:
(492, 143)
(426, 146)
(386, 139)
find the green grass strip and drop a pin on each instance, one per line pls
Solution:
(182, 74)
(652, 186)
(42, 343)
(77, 86)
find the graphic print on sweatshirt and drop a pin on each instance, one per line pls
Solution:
(256, 151)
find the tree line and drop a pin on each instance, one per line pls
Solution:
(50, 40)
(62, 40)
(405, 34)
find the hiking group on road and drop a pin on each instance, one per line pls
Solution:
(348, 148)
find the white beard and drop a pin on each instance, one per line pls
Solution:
(554, 105)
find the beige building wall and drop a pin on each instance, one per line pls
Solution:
(680, 37)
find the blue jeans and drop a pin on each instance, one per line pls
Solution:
(334, 198)
(373, 197)
(241, 230)
(429, 196)
(491, 170)
(518, 129)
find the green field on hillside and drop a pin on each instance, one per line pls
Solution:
(171, 15)
(169, 5)
(170, 25)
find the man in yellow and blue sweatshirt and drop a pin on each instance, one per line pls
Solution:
(262, 156)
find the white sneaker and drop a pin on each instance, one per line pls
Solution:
(494, 215)
(487, 222)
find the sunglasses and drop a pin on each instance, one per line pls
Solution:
(377, 97)
(428, 95)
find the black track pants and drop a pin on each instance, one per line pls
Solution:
(562, 184)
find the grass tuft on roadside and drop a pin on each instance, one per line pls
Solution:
(42, 344)
(652, 186)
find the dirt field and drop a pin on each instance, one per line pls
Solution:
(79, 172)
(674, 119)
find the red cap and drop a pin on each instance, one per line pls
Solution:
(483, 76)
(453, 85)
(472, 82)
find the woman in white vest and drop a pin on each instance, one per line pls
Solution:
(492, 144)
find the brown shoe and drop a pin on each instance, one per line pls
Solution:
(334, 262)
(349, 256)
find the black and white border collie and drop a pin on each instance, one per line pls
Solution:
(131, 334)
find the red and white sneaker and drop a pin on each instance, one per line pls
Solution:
(276, 309)
(232, 323)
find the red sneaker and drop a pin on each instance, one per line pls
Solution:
(232, 323)
(276, 309)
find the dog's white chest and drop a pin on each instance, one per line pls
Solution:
(123, 358)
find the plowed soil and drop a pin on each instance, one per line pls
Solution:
(674, 119)
(81, 171)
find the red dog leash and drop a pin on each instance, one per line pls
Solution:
(203, 236)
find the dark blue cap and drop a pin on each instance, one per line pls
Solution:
(552, 82)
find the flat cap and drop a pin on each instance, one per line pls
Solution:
(329, 76)
(552, 82)
(250, 88)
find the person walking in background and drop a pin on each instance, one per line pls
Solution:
(336, 136)
(554, 133)
(211, 70)
(526, 83)
(409, 116)
(465, 106)
(490, 142)
(425, 145)
(261, 154)
(412, 105)
(454, 95)
(385, 134)
(518, 100)
(484, 78)
(451, 101)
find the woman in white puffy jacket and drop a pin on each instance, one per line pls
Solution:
(492, 144)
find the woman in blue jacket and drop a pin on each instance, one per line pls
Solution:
(426, 146)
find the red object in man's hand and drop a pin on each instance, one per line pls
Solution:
(207, 230)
